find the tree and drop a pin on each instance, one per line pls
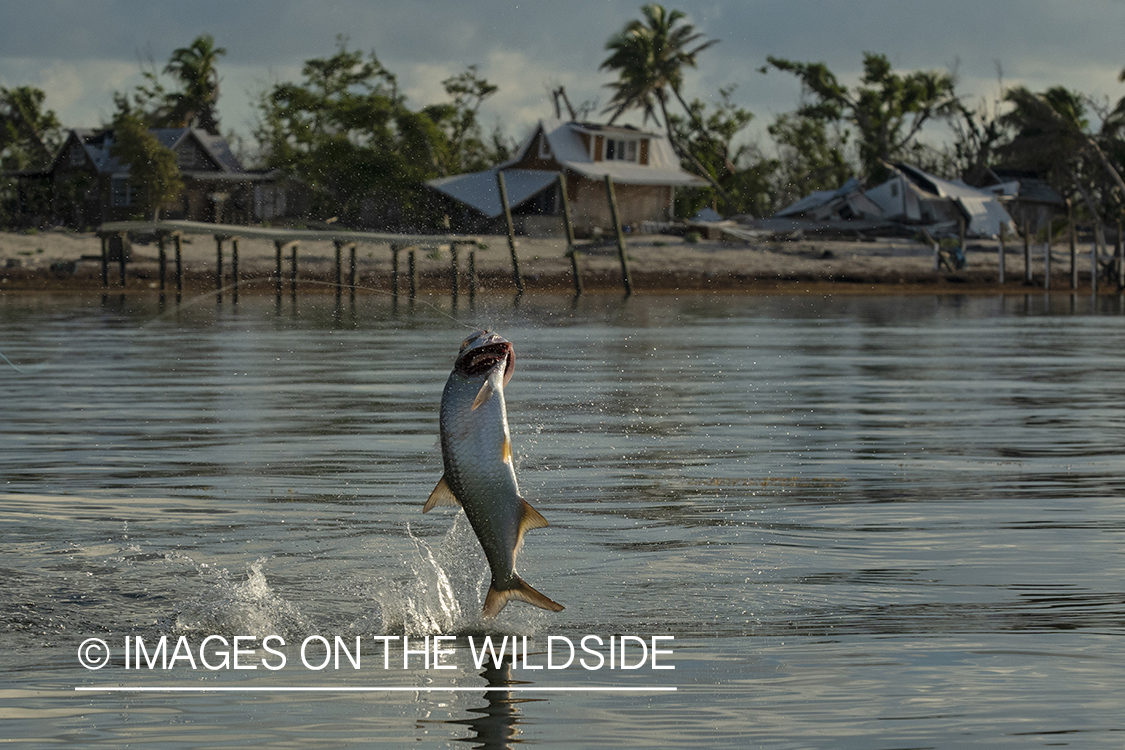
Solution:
(1052, 134)
(348, 134)
(29, 136)
(465, 147)
(710, 134)
(811, 156)
(194, 66)
(193, 100)
(887, 109)
(153, 173)
(649, 57)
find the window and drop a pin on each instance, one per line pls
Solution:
(122, 191)
(620, 150)
(76, 154)
(187, 156)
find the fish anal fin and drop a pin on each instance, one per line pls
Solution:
(532, 519)
(442, 495)
(483, 394)
(497, 599)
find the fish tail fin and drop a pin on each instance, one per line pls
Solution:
(498, 598)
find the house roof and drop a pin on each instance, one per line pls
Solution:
(480, 191)
(569, 150)
(98, 145)
(982, 207)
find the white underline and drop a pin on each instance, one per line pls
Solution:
(397, 689)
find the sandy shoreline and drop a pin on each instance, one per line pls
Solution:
(59, 261)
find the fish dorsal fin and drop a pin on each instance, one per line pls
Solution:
(532, 519)
(483, 394)
(443, 495)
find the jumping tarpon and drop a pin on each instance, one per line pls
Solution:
(477, 452)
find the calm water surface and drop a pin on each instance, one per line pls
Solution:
(867, 522)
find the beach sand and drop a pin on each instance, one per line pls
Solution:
(57, 260)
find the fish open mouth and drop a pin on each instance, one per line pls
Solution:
(479, 361)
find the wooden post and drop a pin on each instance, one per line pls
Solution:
(936, 246)
(1120, 256)
(179, 244)
(339, 245)
(351, 272)
(278, 245)
(412, 268)
(454, 271)
(395, 248)
(1027, 277)
(961, 239)
(568, 227)
(516, 275)
(1073, 246)
(1094, 266)
(219, 267)
(1000, 258)
(160, 244)
(612, 196)
(105, 260)
(472, 276)
(293, 268)
(124, 252)
(234, 268)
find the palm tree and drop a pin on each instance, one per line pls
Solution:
(649, 57)
(194, 66)
(1052, 132)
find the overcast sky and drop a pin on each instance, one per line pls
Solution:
(81, 52)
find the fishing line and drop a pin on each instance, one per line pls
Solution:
(204, 296)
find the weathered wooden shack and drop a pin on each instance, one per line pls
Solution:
(642, 164)
(91, 186)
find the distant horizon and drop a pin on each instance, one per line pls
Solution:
(79, 59)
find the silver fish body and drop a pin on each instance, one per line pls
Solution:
(477, 453)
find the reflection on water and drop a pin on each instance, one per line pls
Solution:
(495, 724)
(868, 522)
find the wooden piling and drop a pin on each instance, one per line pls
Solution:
(1120, 256)
(234, 268)
(162, 257)
(472, 276)
(568, 227)
(1000, 258)
(935, 246)
(454, 271)
(611, 195)
(1094, 266)
(124, 253)
(395, 249)
(178, 242)
(293, 268)
(351, 272)
(1073, 246)
(278, 245)
(219, 267)
(412, 270)
(516, 275)
(105, 260)
(1027, 277)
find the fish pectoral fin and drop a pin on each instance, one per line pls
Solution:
(498, 598)
(532, 519)
(483, 395)
(442, 495)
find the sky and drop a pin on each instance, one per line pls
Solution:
(80, 53)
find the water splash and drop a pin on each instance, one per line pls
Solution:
(247, 607)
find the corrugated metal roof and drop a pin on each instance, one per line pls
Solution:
(480, 191)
